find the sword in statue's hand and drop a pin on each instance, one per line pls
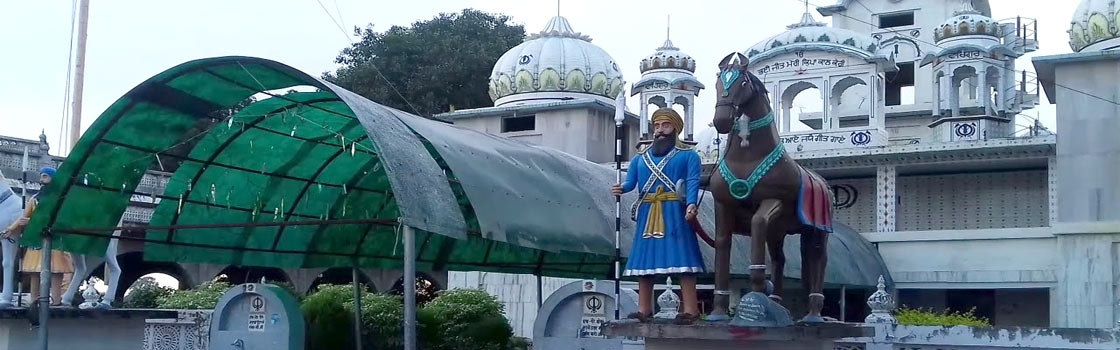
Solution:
(695, 222)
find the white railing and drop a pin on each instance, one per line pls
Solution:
(189, 331)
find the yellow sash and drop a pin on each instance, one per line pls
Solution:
(655, 221)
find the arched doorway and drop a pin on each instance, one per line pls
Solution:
(133, 267)
(426, 288)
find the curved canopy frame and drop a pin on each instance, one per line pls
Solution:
(315, 179)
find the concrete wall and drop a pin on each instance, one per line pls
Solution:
(990, 258)
(583, 132)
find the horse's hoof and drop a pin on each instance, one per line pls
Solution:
(812, 319)
(717, 318)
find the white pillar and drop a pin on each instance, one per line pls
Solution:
(688, 119)
(787, 118)
(873, 119)
(827, 122)
(1001, 91)
(645, 116)
(954, 96)
(886, 198)
(984, 95)
(937, 84)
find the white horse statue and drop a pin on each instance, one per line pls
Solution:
(11, 208)
(82, 266)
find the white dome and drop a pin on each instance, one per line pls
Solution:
(557, 63)
(815, 35)
(967, 21)
(1094, 26)
(668, 57)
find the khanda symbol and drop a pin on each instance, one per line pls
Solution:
(594, 304)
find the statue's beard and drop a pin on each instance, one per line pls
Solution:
(662, 144)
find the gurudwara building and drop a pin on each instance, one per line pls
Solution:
(917, 134)
(967, 205)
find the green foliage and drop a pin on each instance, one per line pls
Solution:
(204, 297)
(920, 317)
(144, 294)
(466, 319)
(434, 64)
(382, 320)
(330, 323)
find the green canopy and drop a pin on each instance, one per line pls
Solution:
(273, 167)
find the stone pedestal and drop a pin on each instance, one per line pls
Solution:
(721, 336)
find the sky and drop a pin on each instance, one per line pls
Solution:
(132, 40)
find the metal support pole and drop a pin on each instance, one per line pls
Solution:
(409, 283)
(843, 303)
(357, 306)
(44, 290)
(540, 293)
(619, 117)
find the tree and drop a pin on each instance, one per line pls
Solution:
(437, 64)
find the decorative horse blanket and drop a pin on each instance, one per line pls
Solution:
(814, 203)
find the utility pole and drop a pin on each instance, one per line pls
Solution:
(79, 74)
(75, 130)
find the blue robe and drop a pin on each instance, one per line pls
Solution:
(678, 251)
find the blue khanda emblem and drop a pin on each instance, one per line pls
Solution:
(728, 77)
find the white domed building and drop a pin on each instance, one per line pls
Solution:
(556, 89)
(668, 80)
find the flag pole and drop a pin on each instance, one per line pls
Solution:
(619, 117)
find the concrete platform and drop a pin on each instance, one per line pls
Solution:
(72, 328)
(721, 336)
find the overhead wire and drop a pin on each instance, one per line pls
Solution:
(64, 122)
(370, 62)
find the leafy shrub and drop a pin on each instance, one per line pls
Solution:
(920, 317)
(144, 294)
(204, 297)
(466, 319)
(382, 320)
(330, 323)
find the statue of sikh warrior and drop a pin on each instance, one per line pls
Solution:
(667, 177)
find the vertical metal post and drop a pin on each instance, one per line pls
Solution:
(44, 290)
(843, 303)
(619, 117)
(357, 306)
(409, 283)
(540, 293)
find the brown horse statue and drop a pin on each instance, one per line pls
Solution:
(763, 193)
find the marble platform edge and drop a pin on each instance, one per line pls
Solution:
(63, 313)
(723, 331)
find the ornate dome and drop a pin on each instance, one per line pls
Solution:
(557, 63)
(967, 21)
(1094, 26)
(668, 57)
(812, 34)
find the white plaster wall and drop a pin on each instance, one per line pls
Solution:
(860, 216)
(995, 258)
(1088, 150)
(927, 16)
(973, 201)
